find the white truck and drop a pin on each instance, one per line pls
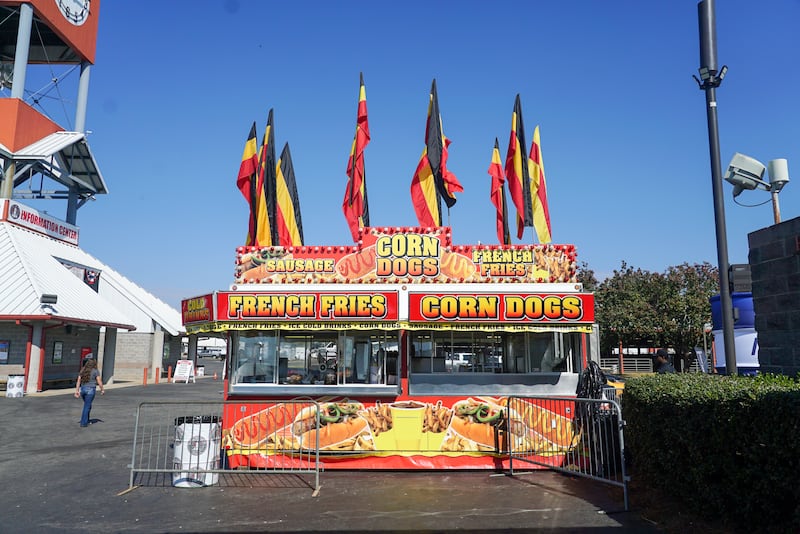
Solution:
(211, 352)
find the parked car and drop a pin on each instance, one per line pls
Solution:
(211, 352)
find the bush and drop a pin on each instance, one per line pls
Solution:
(726, 446)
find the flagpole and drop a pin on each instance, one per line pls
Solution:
(506, 229)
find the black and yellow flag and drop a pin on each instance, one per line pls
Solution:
(432, 182)
(288, 220)
(266, 229)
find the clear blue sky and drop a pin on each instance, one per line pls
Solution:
(176, 86)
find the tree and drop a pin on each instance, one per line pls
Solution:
(586, 277)
(687, 308)
(640, 308)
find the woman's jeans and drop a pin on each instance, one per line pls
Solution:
(87, 394)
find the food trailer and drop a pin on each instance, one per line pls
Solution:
(398, 352)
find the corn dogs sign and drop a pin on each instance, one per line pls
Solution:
(504, 307)
(406, 255)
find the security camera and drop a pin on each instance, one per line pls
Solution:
(745, 172)
(778, 174)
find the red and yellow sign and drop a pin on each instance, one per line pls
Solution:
(505, 307)
(310, 306)
(197, 309)
(407, 255)
(424, 432)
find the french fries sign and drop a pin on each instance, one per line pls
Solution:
(317, 306)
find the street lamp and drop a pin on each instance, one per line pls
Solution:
(711, 78)
(746, 173)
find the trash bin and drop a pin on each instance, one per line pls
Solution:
(196, 450)
(15, 386)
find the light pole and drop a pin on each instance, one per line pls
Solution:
(710, 79)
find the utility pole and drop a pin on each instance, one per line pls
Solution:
(710, 79)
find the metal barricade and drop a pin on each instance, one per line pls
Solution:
(189, 441)
(582, 437)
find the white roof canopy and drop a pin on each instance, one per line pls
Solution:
(63, 157)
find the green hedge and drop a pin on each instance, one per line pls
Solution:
(728, 447)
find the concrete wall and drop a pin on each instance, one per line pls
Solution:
(134, 353)
(18, 337)
(72, 340)
(775, 269)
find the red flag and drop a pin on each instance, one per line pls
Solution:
(265, 189)
(498, 195)
(541, 212)
(355, 206)
(246, 180)
(517, 171)
(290, 225)
(432, 181)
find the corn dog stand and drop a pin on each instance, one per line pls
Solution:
(407, 344)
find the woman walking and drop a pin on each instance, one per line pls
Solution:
(88, 382)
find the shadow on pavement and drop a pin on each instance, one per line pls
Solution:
(58, 477)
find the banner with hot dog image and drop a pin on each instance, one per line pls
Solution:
(475, 426)
(447, 433)
(285, 435)
(406, 255)
(543, 427)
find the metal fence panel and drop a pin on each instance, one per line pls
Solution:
(186, 440)
(642, 365)
(581, 437)
(631, 364)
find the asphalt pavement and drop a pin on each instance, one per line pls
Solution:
(58, 477)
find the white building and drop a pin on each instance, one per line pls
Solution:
(59, 303)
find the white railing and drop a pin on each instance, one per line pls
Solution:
(637, 365)
(630, 364)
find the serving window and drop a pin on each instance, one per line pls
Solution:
(306, 358)
(453, 352)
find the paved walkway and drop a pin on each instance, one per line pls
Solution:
(58, 477)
